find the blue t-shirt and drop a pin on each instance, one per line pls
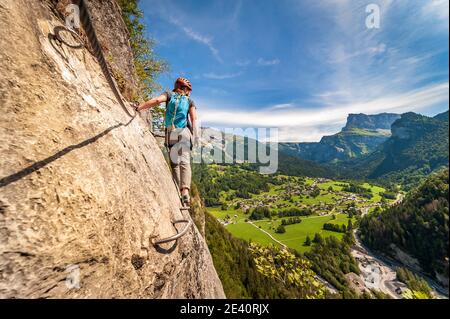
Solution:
(182, 104)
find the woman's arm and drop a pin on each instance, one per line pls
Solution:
(153, 102)
(195, 128)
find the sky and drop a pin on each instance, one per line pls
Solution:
(303, 65)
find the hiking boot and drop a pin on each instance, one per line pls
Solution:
(185, 199)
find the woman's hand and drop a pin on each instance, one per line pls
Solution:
(196, 140)
(140, 107)
(136, 106)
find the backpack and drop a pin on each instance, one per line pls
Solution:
(177, 115)
(177, 111)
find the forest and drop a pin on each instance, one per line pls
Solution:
(237, 269)
(419, 225)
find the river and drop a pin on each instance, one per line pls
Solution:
(378, 272)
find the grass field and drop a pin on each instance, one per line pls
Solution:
(250, 233)
(332, 200)
(376, 190)
(295, 235)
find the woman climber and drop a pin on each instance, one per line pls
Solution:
(180, 127)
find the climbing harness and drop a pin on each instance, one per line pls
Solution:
(86, 21)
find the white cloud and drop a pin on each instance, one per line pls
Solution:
(243, 62)
(311, 124)
(281, 106)
(333, 94)
(340, 55)
(438, 9)
(414, 60)
(234, 20)
(198, 37)
(264, 62)
(305, 134)
(214, 76)
(368, 64)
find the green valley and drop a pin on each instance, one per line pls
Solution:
(323, 212)
(301, 206)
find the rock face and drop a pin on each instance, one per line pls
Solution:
(83, 187)
(371, 122)
(417, 147)
(417, 143)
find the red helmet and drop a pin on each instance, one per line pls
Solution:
(183, 82)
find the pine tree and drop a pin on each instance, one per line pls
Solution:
(349, 225)
(281, 229)
(317, 239)
(307, 241)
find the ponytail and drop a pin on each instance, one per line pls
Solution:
(181, 92)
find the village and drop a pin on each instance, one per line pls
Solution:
(296, 193)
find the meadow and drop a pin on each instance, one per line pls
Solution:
(295, 235)
(331, 196)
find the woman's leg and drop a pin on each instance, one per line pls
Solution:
(176, 173)
(172, 138)
(185, 163)
(180, 159)
(185, 176)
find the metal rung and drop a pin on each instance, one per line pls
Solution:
(59, 29)
(175, 237)
(185, 208)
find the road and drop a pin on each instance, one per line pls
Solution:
(268, 234)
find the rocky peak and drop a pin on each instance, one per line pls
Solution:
(381, 121)
(412, 124)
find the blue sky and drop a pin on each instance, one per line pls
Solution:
(303, 65)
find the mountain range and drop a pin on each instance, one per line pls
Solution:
(361, 135)
(213, 143)
(418, 146)
(387, 147)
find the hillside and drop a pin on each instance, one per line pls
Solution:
(418, 146)
(442, 116)
(237, 269)
(84, 187)
(361, 135)
(312, 216)
(287, 164)
(418, 226)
